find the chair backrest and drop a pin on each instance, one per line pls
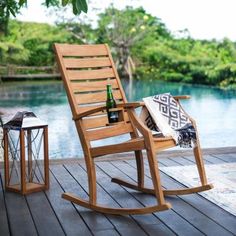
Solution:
(86, 70)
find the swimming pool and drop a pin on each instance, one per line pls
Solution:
(214, 110)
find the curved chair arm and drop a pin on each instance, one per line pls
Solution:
(89, 112)
(138, 124)
(130, 104)
(144, 130)
(103, 108)
(135, 121)
(181, 97)
(193, 122)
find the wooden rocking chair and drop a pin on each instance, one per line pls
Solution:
(86, 70)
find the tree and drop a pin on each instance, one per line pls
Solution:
(124, 29)
(31, 43)
(7, 7)
(137, 39)
(12, 7)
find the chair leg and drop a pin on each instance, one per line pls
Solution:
(198, 157)
(140, 168)
(91, 172)
(139, 162)
(154, 171)
(200, 164)
(93, 205)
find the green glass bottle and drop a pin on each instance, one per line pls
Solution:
(111, 103)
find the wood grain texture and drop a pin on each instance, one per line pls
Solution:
(100, 121)
(93, 85)
(20, 218)
(96, 97)
(107, 195)
(72, 222)
(90, 74)
(191, 214)
(92, 91)
(109, 131)
(131, 145)
(178, 225)
(77, 182)
(86, 62)
(83, 50)
(4, 227)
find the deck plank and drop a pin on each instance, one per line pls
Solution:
(125, 199)
(213, 211)
(197, 209)
(208, 159)
(107, 232)
(4, 228)
(21, 222)
(170, 218)
(107, 199)
(180, 161)
(226, 220)
(206, 219)
(94, 220)
(212, 160)
(46, 213)
(19, 215)
(43, 215)
(229, 157)
(70, 220)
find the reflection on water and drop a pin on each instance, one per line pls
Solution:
(213, 109)
(31, 94)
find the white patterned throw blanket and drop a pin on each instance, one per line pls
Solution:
(164, 115)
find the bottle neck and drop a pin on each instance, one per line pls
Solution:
(109, 92)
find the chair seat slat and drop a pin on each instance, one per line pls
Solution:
(109, 131)
(131, 145)
(93, 128)
(97, 122)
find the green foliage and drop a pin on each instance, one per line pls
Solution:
(7, 8)
(31, 44)
(131, 33)
(128, 31)
(191, 61)
(12, 7)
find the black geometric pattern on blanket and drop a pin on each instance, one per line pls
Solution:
(170, 109)
(187, 136)
(150, 123)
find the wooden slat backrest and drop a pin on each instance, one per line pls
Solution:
(86, 70)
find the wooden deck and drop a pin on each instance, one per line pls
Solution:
(45, 213)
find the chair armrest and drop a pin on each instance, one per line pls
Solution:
(102, 108)
(193, 122)
(120, 105)
(181, 97)
(130, 104)
(89, 112)
(138, 124)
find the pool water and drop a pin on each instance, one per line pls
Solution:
(214, 110)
